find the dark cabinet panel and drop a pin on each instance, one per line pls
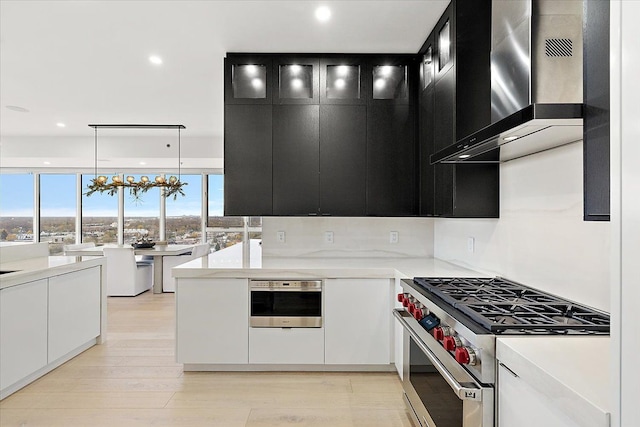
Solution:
(391, 161)
(344, 81)
(295, 159)
(426, 134)
(343, 147)
(247, 160)
(444, 119)
(596, 111)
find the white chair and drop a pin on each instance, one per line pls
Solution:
(168, 262)
(77, 246)
(126, 277)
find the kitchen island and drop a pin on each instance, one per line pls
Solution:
(52, 308)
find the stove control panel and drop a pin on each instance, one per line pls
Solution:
(445, 335)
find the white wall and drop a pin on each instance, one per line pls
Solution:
(540, 239)
(353, 237)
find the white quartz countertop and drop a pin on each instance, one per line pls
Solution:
(28, 270)
(573, 371)
(311, 268)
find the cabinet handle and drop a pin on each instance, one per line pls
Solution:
(509, 370)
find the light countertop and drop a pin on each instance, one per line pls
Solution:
(312, 268)
(31, 269)
(573, 371)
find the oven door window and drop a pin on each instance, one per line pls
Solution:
(285, 304)
(442, 404)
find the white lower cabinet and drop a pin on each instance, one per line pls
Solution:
(294, 346)
(357, 319)
(23, 331)
(74, 311)
(212, 321)
(521, 405)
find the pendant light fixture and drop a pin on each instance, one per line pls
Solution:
(100, 183)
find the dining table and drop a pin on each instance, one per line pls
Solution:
(158, 252)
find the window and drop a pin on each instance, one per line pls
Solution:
(142, 214)
(16, 208)
(57, 211)
(99, 216)
(184, 215)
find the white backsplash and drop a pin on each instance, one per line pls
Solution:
(352, 237)
(540, 239)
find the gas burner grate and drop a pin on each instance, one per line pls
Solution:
(501, 305)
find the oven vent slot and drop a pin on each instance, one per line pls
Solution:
(558, 48)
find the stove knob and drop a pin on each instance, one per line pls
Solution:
(451, 343)
(405, 301)
(412, 307)
(466, 356)
(418, 313)
(401, 297)
(439, 332)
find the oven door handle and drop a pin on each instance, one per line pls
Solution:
(463, 392)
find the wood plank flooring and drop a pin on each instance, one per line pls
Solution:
(132, 380)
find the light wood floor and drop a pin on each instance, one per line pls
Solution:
(132, 380)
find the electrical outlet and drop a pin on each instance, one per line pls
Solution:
(280, 237)
(393, 237)
(328, 236)
(471, 244)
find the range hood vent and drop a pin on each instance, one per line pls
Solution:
(536, 83)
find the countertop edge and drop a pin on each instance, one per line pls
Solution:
(26, 274)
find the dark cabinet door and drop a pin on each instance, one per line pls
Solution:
(391, 161)
(247, 160)
(596, 112)
(295, 159)
(426, 148)
(444, 135)
(344, 80)
(343, 147)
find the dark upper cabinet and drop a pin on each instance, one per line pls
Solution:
(247, 163)
(391, 161)
(390, 79)
(596, 111)
(343, 148)
(247, 79)
(426, 127)
(296, 80)
(461, 91)
(296, 140)
(344, 80)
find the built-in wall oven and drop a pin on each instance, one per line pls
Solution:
(286, 303)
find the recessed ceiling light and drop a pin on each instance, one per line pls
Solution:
(60, 125)
(16, 108)
(323, 14)
(47, 163)
(143, 163)
(155, 60)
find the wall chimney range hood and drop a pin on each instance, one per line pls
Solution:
(536, 83)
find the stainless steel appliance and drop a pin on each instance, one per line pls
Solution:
(450, 327)
(536, 81)
(286, 303)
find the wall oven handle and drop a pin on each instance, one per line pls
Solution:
(463, 392)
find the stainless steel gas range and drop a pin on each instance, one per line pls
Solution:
(450, 327)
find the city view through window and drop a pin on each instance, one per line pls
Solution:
(100, 213)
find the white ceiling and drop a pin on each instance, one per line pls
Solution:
(81, 62)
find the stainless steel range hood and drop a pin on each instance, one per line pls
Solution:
(536, 82)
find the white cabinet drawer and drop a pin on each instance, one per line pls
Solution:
(286, 345)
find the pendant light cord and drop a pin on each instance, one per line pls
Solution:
(95, 152)
(179, 158)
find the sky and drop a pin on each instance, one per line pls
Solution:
(58, 197)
